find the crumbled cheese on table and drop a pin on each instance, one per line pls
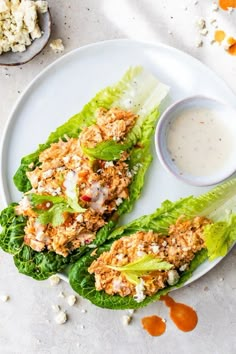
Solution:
(203, 32)
(215, 6)
(57, 45)
(131, 311)
(201, 23)
(199, 42)
(61, 294)
(126, 319)
(71, 300)
(56, 308)
(225, 43)
(54, 280)
(4, 298)
(61, 317)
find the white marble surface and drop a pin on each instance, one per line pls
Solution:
(27, 321)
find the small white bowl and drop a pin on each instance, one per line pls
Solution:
(162, 131)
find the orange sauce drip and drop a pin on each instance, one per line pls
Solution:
(219, 36)
(224, 4)
(154, 325)
(232, 48)
(183, 316)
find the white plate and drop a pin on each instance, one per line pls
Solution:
(63, 88)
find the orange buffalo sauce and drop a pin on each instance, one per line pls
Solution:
(232, 48)
(183, 316)
(224, 4)
(220, 36)
(154, 325)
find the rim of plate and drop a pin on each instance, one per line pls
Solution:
(10, 119)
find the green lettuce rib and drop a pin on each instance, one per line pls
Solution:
(217, 204)
(138, 91)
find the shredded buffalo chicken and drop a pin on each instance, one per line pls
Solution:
(184, 240)
(101, 186)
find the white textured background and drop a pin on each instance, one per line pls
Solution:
(27, 320)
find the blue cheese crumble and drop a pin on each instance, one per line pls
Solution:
(19, 23)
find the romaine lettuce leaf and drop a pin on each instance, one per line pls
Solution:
(138, 91)
(216, 204)
(146, 93)
(83, 283)
(219, 237)
(39, 265)
(12, 234)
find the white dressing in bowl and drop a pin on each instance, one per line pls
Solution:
(196, 140)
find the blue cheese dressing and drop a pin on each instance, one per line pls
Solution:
(200, 143)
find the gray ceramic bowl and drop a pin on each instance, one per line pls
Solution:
(162, 131)
(19, 58)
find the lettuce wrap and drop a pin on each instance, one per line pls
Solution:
(219, 205)
(138, 91)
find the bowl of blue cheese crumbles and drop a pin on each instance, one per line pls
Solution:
(25, 28)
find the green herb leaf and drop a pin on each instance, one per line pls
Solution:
(106, 150)
(37, 199)
(54, 215)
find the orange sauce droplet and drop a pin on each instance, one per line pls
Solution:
(219, 36)
(183, 316)
(154, 325)
(224, 4)
(232, 48)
